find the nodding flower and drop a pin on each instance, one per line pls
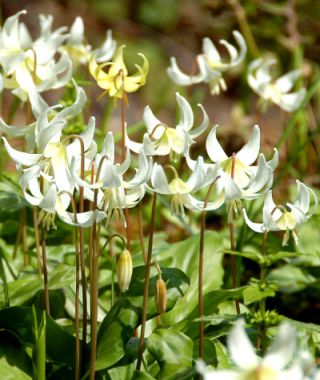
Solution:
(281, 218)
(211, 65)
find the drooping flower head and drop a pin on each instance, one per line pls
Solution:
(281, 218)
(116, 81)
(272, 90)
(31, 67)
(80, 52)
(211, 65)
(165, 139)
(239, 176)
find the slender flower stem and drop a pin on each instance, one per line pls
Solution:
(123, 155)
(200, 278)
(37, 239)
(262, 303)
(77, 323)
(44, 260)
(146, 283)
(143, 249)
(82, 253)
(26, 260)
(45, 270)
(232, 240)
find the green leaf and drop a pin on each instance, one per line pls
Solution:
(173, 351)
(15, 364)
(278, 256)
(185, 256)
(60, 345)
(138, 375)
(124, 372)
(290, 278)
(26, 287)
(254, 293)
(124, 317)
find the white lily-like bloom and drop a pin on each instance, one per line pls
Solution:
(281, 218)
(52, 163)
(30, 67)
(278, 90)
(239, 178)
(113, 191)
(48, 118)
(163, 139)
(181, 191)
(211, 66)
(279, 362)
(81, 52)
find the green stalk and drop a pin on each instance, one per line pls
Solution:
(232, 239)
(200, 276)
(146, 284)
(262, 304)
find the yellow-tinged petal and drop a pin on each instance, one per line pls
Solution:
(118, 67)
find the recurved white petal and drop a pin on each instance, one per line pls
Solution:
(177, 76)
(203, 126)
(240, 348)
(282, 349)
(25, 159)
(159, 180)
(105, 52)
(153, 124)
(214, 149)
(286, 82)
(76, 32)
(249, 152)
(291, 102)
(257, 227)
(186, 114)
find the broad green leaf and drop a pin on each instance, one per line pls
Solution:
(60, 345)
(118, 327)
(185, 256)
(123, 372)
(138, 375)
(254, 293)
(173, 351)
(310, 333)
(290, 279)
(26, 287)
(15, 364)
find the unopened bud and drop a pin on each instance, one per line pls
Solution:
(161, 295)
(124, 270)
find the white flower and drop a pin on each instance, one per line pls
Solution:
(239, 178)
(165, 139)
(31, 67)
(278, 90)
(80, 52)
(48, 118)
(181, 190)
(280, 218)
(113, 191)
(211, 66)
(279, 362)
(52, 163)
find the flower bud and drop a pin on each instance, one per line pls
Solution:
(161, 295)
(124, 270)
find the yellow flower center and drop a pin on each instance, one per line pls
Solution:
(237, 170)
(262, 373)
(177, 186)
(287, 221)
